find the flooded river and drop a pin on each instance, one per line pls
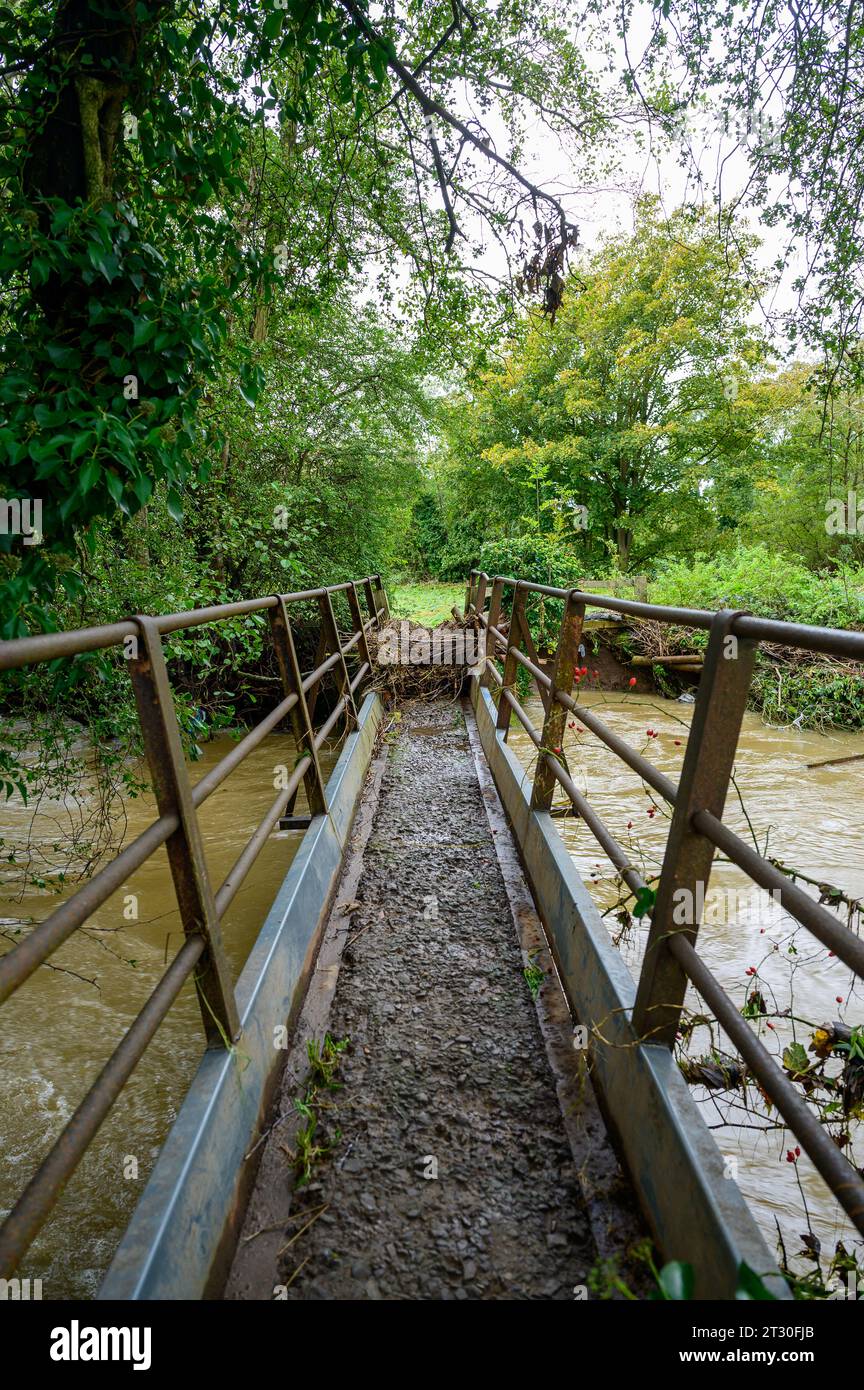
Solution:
(812, 819)
(59, 1029)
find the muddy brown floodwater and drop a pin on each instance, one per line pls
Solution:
(58, 1030)
(813, 820)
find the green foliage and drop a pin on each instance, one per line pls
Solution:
(676, 1283)
(184, 186)
(769, 583)
(428, 536)
(460, 554)
(542, 559)
(787, 84)
(603, 428)
(806, 691)
(429, 604)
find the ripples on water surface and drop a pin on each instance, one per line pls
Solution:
(58, 1031)
(814, 819)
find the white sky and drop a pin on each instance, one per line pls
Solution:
(604, 207)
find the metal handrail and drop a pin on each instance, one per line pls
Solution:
(696, 829)
(202, 955)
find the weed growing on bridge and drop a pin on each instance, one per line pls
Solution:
(324, 1060)
(534, 976)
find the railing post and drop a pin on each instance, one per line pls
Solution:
(357, 620)
(381, 597)
(469, 593)
(301, 724)
(494, 620)
(173, 792)
(708, 764)
(530, 650)
(479, 595)
(566, 657)
(331, 632)
(370, 601)
(511, 665)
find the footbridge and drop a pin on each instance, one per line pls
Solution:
(386, 1105)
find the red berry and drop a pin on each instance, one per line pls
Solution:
(677, 743)
(629, 825)
(632, 680)
(770, 1025)
(790, 1157)
(839, 998)
(797, 1151)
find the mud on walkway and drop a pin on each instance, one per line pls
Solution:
(451, 1172)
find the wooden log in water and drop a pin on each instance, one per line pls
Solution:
(691, 659)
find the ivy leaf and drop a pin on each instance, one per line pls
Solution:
(115, 487)
(645, 900)
(89, 476)
(175, 505)
(143, 332)
(795, 1059)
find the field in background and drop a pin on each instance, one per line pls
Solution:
(427, 603)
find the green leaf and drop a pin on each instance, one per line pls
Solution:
(89, 475)
(676, 1281)
(63, 356)
(115, 487)
(795, 1059)
(645, 900)
(81, 444)
(142, 486)
(750, 1288)
(143, 332)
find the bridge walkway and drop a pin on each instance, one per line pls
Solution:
(465, 1154)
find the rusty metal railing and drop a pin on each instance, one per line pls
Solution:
(696, 829)
(202, 955)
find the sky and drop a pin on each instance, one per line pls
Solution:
(711, 159)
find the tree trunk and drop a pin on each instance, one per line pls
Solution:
(93, 51)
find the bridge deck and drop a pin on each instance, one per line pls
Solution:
(453, 1172)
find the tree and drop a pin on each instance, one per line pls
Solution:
(809, 496)
(782, 84)
(170, 169)
(611, 425)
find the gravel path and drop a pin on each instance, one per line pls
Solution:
(450, 1173)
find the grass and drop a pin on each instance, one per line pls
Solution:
(428, 603)
(324, 1059)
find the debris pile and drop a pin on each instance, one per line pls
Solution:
(412, 662)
